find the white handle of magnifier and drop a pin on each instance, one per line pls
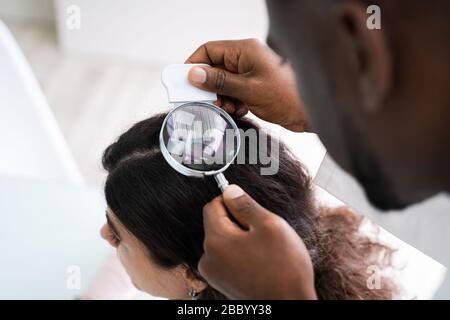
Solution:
(222, 182)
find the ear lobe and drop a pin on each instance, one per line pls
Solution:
(194, 281)
(374, 65)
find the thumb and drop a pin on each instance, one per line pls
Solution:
(242, 207)
(218, 80)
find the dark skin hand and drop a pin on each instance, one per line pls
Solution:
(263, 242)
(249, 76)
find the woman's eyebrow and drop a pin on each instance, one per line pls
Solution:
(111, 226)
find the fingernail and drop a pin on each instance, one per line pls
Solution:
(233, 191)
(197, 75)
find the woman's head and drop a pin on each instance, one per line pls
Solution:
(155, 214)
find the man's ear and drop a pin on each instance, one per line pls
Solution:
(193, 280)
(373, 64)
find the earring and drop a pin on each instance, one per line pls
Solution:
(193, 294)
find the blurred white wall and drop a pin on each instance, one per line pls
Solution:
(156, 31)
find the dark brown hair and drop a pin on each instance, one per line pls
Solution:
(163, 209)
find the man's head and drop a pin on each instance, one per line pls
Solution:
(379, 99)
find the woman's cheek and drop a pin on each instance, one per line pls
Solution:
(124, 258)
(148, 276)
(137, 266)
(161, 282)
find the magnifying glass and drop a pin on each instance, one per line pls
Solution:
(197, 138)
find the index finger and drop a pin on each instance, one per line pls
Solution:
(216, 219)
(214, 53)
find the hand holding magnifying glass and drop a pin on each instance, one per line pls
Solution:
(199, 139)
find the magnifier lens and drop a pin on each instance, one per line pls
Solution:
(200, 137)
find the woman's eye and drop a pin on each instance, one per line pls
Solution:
(113, 238)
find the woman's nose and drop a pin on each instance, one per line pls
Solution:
(104, 232)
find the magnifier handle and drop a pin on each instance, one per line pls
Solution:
(222, 182)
